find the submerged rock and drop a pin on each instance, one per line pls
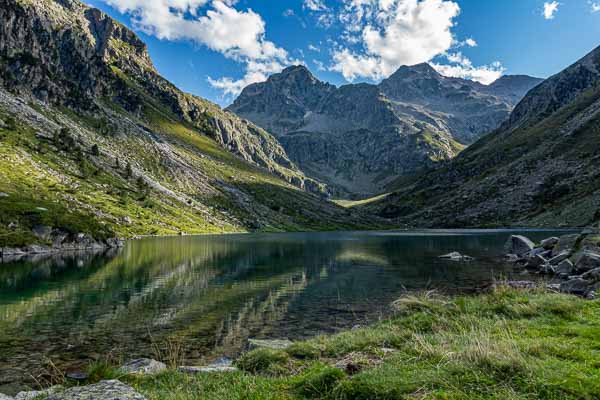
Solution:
(105, 390)
(143, 366)
(276, 344)
(456, 256)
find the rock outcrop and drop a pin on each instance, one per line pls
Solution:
(577, 264)
(358, 138)
(105, 390)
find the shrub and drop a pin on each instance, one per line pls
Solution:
(319, 381)
(264, 361)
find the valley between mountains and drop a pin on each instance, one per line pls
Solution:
(95, 144)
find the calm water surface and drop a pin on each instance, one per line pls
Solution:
(211, 293)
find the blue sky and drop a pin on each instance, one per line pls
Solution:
(213, 48)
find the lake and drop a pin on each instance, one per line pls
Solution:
(209, 294)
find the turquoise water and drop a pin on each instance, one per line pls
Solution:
(209, 294)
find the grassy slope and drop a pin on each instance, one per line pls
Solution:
(509, 344)
(77, 191)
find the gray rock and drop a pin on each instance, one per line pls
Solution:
(143, 366)
(34, 394)
(591, 295)
(105, 390)
(3, 195)
(456, 256)
(518, 245)
(277, 344)
(521, 284)
(592, 276)
(548, 269)
(77, 376)
(42, 232)
(566, 242)
(586, 261)
(576, 286)
(512, 258)
(549, 243)
(206, 369)
(536, 262)
(5, 397)
(555, 287)
(557, 259)
(565, 268)
(535, 252)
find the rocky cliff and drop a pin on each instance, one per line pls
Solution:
(359, 138)
(94, 141)
(539, 168)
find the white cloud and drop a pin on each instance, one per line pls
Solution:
(550, 9)
(314, 48)
(471, 42)
(255, 72)
(319, 64)
(216, 24)
(594, 6)
(394, 33)
(289, 13)
(314, 5)
(461, 67)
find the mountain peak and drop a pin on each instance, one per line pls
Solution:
(414, 71)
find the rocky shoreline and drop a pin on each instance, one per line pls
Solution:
(55, 240)
(572, 260)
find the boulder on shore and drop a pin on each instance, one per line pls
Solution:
(576, 286)
(586, 261)
(518, 245)
(276, 344)
(143, 366)
(550, 243)
(105, 390)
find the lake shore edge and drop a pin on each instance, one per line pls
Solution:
(506, 340)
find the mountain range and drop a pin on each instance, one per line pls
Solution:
(360, 137)
(540, 168)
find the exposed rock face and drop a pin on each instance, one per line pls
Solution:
(539, 168)
(143, 366)
(67, 53)
(105, 390)
(358, 138)
(276, 344)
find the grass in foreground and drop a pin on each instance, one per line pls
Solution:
(504, 345)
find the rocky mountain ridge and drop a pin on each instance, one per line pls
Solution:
(538, 169)
(358, 138)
